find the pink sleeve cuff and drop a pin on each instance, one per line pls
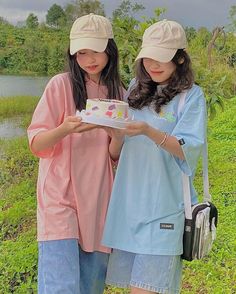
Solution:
(49, 152)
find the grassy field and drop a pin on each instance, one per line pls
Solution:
(18, 171)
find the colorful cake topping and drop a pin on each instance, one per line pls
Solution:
(113, 109)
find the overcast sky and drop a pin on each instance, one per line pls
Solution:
(196, 13)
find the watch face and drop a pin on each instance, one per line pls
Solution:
(181, 142)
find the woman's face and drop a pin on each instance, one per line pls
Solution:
(92, 62)
(160, 72)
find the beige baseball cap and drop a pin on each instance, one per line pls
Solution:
(90, 32)
(162, 40)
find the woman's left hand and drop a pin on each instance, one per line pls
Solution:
(137, 128)
(117, 134)
(117, 139)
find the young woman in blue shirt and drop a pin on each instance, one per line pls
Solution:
(145, 219)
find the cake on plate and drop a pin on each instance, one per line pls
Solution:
(105, 108)
(105, 112)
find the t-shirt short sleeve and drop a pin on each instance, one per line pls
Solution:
(190, 129)
(47, 115)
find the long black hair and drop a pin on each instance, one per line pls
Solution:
(146, 91)
(109, 77)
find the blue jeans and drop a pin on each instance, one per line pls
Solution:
(64, 268)
(155, 273)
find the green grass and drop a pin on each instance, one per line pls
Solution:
(19, 105)
(18, 248)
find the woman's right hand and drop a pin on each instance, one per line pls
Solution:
(71, 124)
(74, 124)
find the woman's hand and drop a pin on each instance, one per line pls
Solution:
(170, 143)
(74, 124)
(137, 128)
(117, 139)
(116, 134)
(48, 139)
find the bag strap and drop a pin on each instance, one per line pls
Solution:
(185, 178)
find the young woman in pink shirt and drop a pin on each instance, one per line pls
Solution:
(75, 168)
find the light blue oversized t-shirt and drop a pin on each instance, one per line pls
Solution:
(146, 210)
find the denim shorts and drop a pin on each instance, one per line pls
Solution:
(156, 273)
(64, 268)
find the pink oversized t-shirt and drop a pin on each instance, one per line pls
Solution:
(76, 175)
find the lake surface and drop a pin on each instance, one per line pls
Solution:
(18, 86)
(10, 129)
(22, 85)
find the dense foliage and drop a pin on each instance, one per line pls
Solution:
(32, 21)
(42, 51)
(56, 16)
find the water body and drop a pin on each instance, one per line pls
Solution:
(18, 86)
(22, 85)
(10, 129)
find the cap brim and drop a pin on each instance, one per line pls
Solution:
(98, 45)
(157, 53)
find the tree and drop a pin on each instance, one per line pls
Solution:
(56, 16)
(82, 7)
(127, 10)
(71, 13)
(86, 7)
(32, 21)
(190, 33)
(128, 33)
(232, 17)
(3, 21)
